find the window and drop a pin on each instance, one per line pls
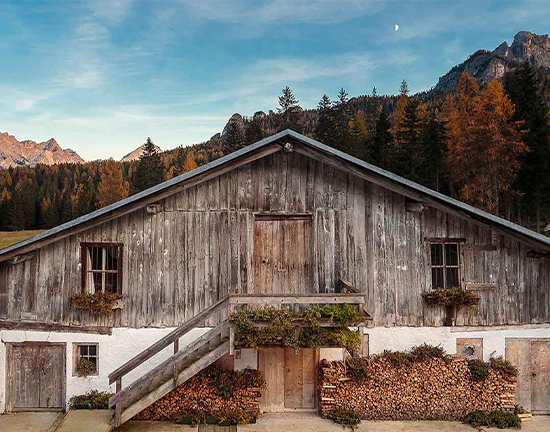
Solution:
(101, 267)
(444, 258)
(85, 359)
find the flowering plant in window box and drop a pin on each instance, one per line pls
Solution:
(98, 303)
(453, 299)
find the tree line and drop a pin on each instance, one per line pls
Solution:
(488, 146)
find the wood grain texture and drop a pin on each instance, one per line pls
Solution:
(205, 241)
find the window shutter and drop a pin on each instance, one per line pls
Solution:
(83, 264)
(120, 261)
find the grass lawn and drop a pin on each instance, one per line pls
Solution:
(8, 238)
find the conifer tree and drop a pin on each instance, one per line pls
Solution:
(234, 138)
(324, 130)
(533, 180)
(150, 170)
(358, 136)
(342, 116)
(433, 143)
(189, 164)
(253, 132)
(289, 107)
(484, 142)
(399, 114)
(409, 156)
(381, 142)
(112, 187)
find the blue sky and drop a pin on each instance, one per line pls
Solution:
(102, 76)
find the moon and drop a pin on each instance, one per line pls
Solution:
(396, 27)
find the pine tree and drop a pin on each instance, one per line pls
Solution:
(342, 116)
(381, 141)
(434, 145)
(112, 187)
(234, 138)
(324, 130)
(358, 136)
(189, 164)
(533, 180)
(409, 156)
(150, 170)
(399, 113)
(253, 132)
(484, 142)
(289, 107)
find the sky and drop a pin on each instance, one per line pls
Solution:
(102, 76)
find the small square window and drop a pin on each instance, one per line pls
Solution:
(85, 359)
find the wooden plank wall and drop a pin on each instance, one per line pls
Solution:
(199, 246)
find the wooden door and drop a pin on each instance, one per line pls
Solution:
(291, 379)
(300, 378)
(35, 377)
(540, 373)
(282, 255)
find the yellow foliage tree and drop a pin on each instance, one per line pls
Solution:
(112, 187)
(189, 164)
(484, 144)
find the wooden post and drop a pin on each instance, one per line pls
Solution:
(361, 331)
(118, 384)
(231, 340)
(176, 346)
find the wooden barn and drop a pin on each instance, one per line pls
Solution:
(285, 221)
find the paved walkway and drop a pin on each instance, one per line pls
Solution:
(98, 421)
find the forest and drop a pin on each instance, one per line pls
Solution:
(488, 146)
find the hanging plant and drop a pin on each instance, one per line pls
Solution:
(452, 297)
(98, 303)
(85, 368)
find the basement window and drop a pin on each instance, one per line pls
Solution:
(102, 267)
(85, 359)
(444, 260)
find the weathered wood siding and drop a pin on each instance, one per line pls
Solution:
(199, 246)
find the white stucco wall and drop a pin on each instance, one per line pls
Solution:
(123, 344)
(114, 350)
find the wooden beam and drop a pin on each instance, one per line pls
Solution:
(165, 341)
(255, 299)
(42, 326)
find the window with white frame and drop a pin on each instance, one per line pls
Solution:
(85, 359)
(101, 267)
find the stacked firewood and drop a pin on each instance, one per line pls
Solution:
(431, 389)
(201, 398)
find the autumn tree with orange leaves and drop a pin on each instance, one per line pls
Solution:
(484, 143)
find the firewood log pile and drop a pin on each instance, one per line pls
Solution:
(219, 394)
(429, 390)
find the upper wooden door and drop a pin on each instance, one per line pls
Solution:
(282, 255)
(35, 377)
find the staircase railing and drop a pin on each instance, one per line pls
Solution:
(171, 338)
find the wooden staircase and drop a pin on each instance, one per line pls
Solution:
(175, 370)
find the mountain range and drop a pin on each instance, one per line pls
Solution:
(483, 65)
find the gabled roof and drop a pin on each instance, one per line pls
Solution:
(273, 144)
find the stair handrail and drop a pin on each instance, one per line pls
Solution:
(172, 337)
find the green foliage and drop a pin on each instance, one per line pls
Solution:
(98, 303)
(91, 400)
(506, 368)
(85, 368)
(345, 417)
(451, 297)
(478, 370)
(418, 354)
(498, 419)
(279, 328)
(150, 170)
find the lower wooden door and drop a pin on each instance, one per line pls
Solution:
(532, 358)
(291, 377)
(35, 377)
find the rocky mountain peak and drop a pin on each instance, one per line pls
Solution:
(15, 153)
(238, 120)
(135, 155)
